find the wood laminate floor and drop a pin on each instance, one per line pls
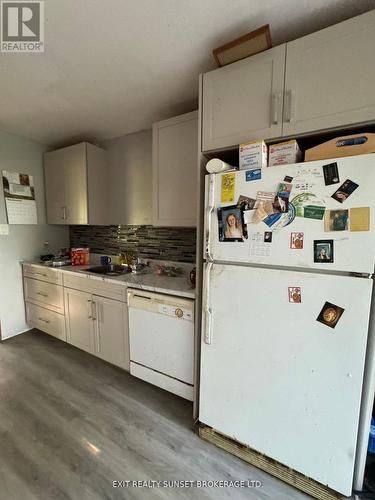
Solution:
(71, 424)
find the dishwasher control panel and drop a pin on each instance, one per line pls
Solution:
(177, 312)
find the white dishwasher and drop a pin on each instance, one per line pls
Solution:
(161, 335)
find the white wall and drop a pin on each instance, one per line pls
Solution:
(24, 242)
(130, 178)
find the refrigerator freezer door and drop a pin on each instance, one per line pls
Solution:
(279, 381)
(353, 251)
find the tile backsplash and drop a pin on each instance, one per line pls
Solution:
(166, 243)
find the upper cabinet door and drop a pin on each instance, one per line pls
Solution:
(75, 181)
(175, 171)
(330, 77)
(244, 100)
(55, 191)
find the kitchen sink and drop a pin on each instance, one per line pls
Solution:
(109, 270)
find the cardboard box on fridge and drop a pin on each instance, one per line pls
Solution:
(252, 154)
(284, 153)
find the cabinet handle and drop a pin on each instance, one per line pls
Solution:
(63, 213)
(93, 309)
(39, 274)
(42, 294)
(44, 320)
(289, 105)
(274, 108)
(90, 308)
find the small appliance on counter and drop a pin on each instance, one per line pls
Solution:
(62, 259)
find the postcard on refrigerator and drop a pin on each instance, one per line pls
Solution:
(268, 237)
(308, 205)
(281, 200)
(344, 191)
(323, 251)
(294, 294)
(271, 219)
(331, 174)
(336, 220)
(296, 241)
(359, 219)
(245, 203)
(330, 314)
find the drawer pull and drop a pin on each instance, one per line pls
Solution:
(40, 274)
(42, 294)
(44, 320)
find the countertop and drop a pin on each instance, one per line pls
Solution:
(179, 286)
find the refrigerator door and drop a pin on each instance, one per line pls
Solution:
(278, 380)
(353, 250)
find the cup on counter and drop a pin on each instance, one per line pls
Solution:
(105, 260)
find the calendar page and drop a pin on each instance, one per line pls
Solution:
(19, 196)
(21, 211)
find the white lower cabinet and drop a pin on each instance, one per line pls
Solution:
(98, 325)
(78, 314)
(111, 331)
(45, 320)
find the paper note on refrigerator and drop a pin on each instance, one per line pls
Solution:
(228, 185)
(258, 247)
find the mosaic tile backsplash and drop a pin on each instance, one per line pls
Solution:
(165, 243)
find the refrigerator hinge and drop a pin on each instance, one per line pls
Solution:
(208, 255)
(363, 275)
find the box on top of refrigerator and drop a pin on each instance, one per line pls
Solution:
(253, 154)
(284, 153)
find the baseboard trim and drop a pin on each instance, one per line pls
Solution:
(15, 334)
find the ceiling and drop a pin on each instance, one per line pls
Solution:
(112, 67)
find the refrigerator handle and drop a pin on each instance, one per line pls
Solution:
(209, 210)
(207, 337)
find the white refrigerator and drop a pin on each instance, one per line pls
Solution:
(286, 312)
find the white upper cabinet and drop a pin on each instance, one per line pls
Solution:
(175, 157)
(330, 77)
(76, 185)
(244, 100)
(328, 84)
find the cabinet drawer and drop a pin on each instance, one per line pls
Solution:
(95, 286)
(44, 294)
(43, 273)
(46, 320)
